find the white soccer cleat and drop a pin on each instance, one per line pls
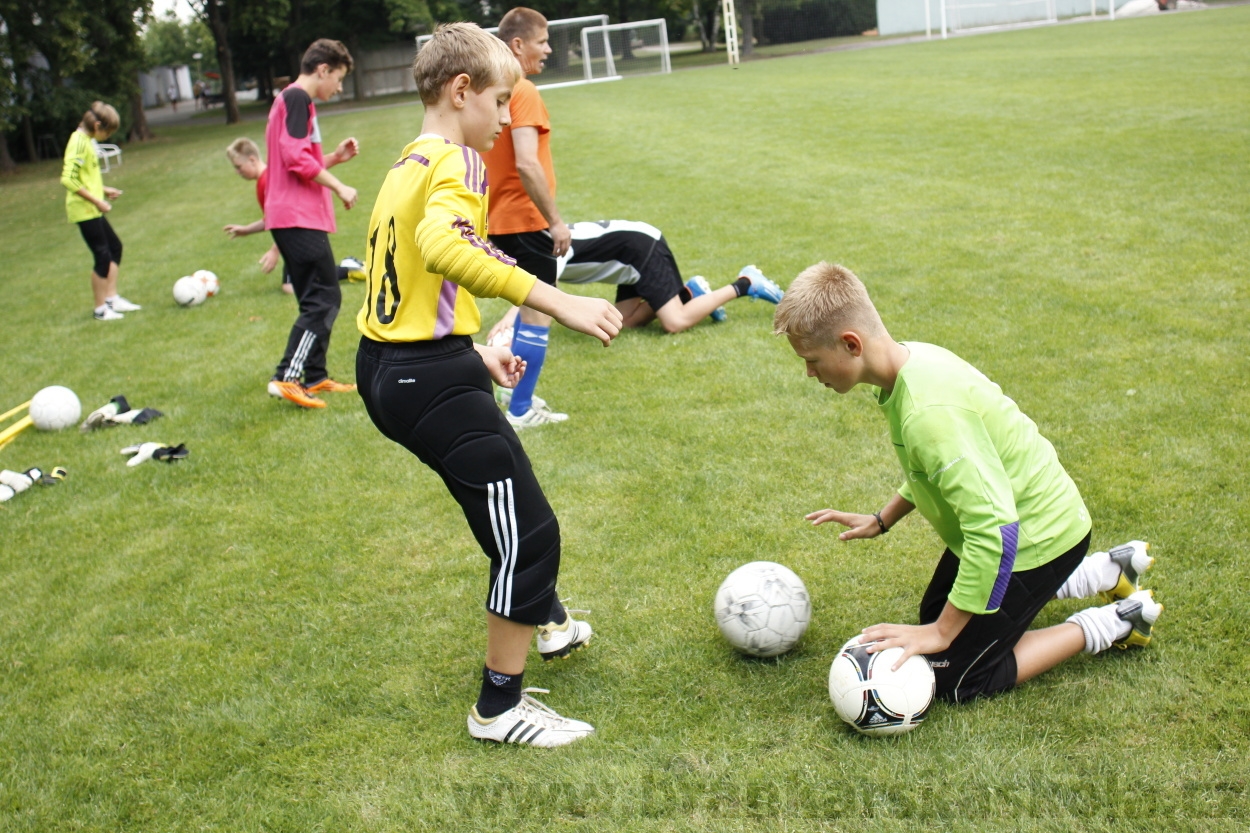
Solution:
(120, 304)
(536, 415)
(108, 314)
(529, 722)
(561, 640)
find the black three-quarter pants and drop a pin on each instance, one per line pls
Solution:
(981, 661)
(434, 398)
(314, 277)
(105, 245)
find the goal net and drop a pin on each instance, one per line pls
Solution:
(609, 52)
(564, 64)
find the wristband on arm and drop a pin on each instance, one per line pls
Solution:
(880, 522)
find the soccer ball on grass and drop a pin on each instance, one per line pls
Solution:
(211, 285)
(189, 291)
(872, 698)
(54, 408)
(762, 609)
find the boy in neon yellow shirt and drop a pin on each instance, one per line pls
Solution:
(427, 386)
(1015, 527)
(87, 200)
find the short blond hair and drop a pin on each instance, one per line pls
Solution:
(462, 48)
(101, 116)
(823, 301)
(242, 147)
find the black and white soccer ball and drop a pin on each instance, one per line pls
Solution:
(874, 699)
(54, 407)
(762, 609)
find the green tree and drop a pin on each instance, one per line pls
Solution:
(64, 54)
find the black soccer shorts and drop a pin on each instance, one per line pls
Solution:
(532, 252)
(981, 661)
(434, 398)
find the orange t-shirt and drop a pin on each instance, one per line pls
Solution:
(511, 209)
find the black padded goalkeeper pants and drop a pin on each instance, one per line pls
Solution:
(434, 398)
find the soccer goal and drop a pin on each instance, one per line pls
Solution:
(564, 64)
(638, 47)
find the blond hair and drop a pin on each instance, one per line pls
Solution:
(823, 301)
(241, 148)
(462, 49)
(101, 115)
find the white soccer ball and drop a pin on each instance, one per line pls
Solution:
(189, 291)
(762, 609)
(54, 408)
(874, 699)
(211, 285)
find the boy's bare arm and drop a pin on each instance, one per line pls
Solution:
(534, 180)
(918, 639)
(347, 149)
(593, 316)
(864, 526)
(346, 193)
(235, 230)
(103, 206)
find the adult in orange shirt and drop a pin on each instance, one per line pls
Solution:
(524, 220)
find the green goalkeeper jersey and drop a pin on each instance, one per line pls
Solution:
(81, 170)
(981, 473)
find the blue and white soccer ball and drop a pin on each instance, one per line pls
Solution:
(762, 609)
(874, 699)
(54, 407)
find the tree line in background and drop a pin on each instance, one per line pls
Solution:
(57, 56)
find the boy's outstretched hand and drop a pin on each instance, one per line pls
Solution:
(592, 316)
(860, 526)
(504, 368)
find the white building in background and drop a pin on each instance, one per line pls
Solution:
(156, 82)
(907, 17)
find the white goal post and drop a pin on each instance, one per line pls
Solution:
(564, 65)
(636, 47)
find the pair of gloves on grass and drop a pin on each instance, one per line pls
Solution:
(119, 412)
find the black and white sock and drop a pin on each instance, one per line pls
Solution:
(500, 692)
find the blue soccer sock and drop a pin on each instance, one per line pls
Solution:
(529, 344)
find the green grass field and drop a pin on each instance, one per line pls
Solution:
(283, 632)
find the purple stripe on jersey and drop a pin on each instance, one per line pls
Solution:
(1011, 538)
(412, 157)
(468, 233)
(446, 309)
(475, 171)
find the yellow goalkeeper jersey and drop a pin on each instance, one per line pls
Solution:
(428, 255)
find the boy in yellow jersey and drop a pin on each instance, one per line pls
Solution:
(1015, 527)
(427, 385)
(86, 203)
